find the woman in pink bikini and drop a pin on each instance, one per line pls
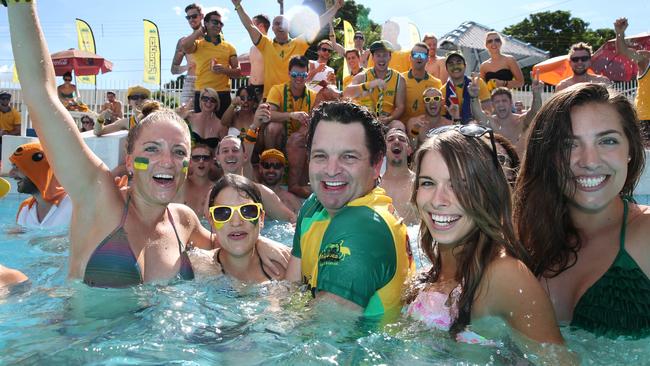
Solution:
(478, 267)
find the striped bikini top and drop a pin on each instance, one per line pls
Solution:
(114, 265)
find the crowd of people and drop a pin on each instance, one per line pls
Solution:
(556, 240)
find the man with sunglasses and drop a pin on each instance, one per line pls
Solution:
(194, 191)
(417, 81)
(320, 75)
(281, 49)
(381, 89)
(580, 62)
(512, 126)
(194, 17)
(350, 246)
(215, 59)
(271, 172)
(9, 117)
(432, 117)
(362, 53)
(137, 96)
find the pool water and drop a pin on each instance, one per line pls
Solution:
(213, 320)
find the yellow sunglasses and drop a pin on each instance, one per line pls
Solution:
(248, 211)
(436, 98)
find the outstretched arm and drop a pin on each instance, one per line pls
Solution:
(327, 16)
(253, 32)
(477, 111)
(537, 88)
(76, 167)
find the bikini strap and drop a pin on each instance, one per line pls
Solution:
(171, 220)
(125, 211)
(624, 224)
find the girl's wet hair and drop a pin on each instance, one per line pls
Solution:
(240, 183)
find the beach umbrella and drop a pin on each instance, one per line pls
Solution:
(555, 69)
(617, 67)
(81, 62)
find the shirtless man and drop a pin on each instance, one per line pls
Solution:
(271, 170)
(232, 158)
(194, 16)
(435, 64)
(580, 61)
(398, 179)
(418, 126)
(256, 79)
(137, 97)
(198, 184)
(112, 105)
(512, 126)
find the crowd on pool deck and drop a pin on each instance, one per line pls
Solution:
(525, 215)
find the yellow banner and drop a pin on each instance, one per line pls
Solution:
(414, 33)
(86, 42)
(348, 43)
(151, 53)
(14, 78)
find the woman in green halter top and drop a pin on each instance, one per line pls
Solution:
(588, 241)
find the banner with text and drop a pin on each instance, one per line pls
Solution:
(151, 53)
(86, 41)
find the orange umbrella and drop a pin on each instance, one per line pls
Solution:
(81, 62)
(555, 69)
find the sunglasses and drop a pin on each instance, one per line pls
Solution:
(276, 166)
(192, 16)
(216, 22)
(435, 98)
(419, 55)
(208, 99)
(358, 37)
(199, 158)
(471, 130)
(137, 97)
(580, 58)
(5, 98)
(325, 49)
(298, 74)
(245, 98)
(86, 122)
(493, 40)
(248, 211)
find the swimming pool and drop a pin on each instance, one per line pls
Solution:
(213, 321)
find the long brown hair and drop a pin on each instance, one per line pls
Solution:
(484, 194)
(540, 203)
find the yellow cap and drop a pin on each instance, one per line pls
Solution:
(5, 186)
(137, 89)
(273, 153)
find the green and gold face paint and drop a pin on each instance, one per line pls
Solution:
(186, 164)
(141, 163)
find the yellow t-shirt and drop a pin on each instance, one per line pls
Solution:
(9, 120)
(204, 55)
(276, 59)
(348, 79)
(414, 90)
(400, 61)
(643, 96)
(372, 100)
(281, 97)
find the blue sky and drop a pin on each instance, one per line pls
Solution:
(118, 29)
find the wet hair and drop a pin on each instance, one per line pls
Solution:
(299, 61)
(580, 46)
(422, 45)
(209, 15)
(150, 107)
(541, 203)
(347, 113)
(501, 91)
(240, 183)
(193, 6)
(153, 118)
(512, 154)
(483, 193)
(264, 19)
(67, 74)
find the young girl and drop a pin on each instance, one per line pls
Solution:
(478, 267)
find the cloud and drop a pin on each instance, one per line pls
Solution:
(5, 68)
(177, 10)
(223, 11)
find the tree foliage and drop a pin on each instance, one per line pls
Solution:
(556, 31)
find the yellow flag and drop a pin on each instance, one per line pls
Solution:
(14, 79)
(414, 32)
(151, 53)
(86, 41)
(348, 43)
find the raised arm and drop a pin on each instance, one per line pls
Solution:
(477, 112)
(537, 88)
(327, 16)
(338, 48)
(178, 58)
(188, 44)
(253, 32)
(76, 167)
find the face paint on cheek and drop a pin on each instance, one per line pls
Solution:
(186, 164)
(218, 225)
(141, 163)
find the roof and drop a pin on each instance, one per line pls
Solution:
(470, 37)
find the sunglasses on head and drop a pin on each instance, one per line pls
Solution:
(298, 74)
(191, 16)
(325, 49)
(208, 99)
(137, 97)
(216, 22)
(470, 130)
(223, 213)
(580, 58)
(493, 40)
(198, 158)
(419, 55)
(435, 98)
(276, 166)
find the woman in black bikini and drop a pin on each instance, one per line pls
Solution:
(503, 69)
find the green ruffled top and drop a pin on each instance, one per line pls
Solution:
(618, 304)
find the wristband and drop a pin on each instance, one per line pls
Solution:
(251, 136)
(237, 7)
